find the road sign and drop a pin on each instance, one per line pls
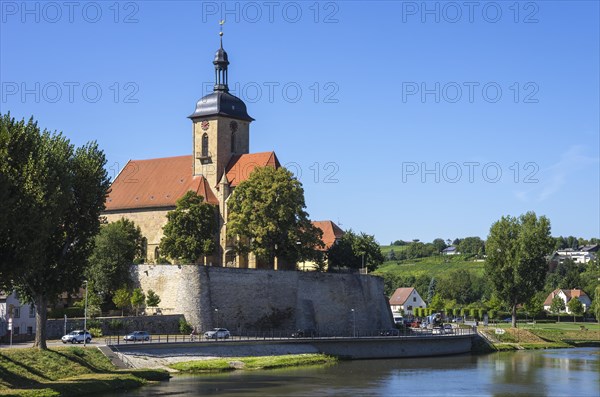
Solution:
(10, 324)
(500, 331)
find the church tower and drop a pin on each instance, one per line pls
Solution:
(221, 125)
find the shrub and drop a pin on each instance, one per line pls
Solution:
(481, 313)
(115, 325)
(456, 312)
(184, 327)
(96, 332)
(472, 313)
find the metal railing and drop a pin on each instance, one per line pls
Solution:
(293, 336)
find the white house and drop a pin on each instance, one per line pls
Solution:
(566, 295)
(450, 251)
(578, 256)
(406, 299)
(22, 314)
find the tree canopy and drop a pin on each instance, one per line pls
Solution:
(516, 264)
(349, 251)
(55, 194)
(116, 247)
(191, 229)
(267, 212)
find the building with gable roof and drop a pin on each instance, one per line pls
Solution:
(566, 295)
(146, 190)
(406, 299)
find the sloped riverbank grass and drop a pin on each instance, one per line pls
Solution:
(65, 371)
(251, 363)
(544, 336)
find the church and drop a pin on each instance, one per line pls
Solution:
(146, 190)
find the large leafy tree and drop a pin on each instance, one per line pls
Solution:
(516, 264)
(191, 229)
(471, 245)
(55, 194)
(116, 247)
(576, 307)
(556, 306)
(355, 249)
(267, 212)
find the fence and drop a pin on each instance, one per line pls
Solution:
(294, 335)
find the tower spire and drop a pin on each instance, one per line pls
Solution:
(221, 61)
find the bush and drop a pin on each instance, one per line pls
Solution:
(481, 313)
(472, 313)
(96, 332)
(184, 327)
(115, 325)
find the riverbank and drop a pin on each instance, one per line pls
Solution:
(252, 363)
(66, 371)
(542, 336)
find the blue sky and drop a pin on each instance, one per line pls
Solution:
(402, 119)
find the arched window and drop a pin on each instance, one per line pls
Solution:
(205, 145)
(233, 142)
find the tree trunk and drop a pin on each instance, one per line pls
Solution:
(514, 316)
(41, 315)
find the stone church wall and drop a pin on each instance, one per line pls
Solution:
(247, 300)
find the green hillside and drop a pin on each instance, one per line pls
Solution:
(431, 266)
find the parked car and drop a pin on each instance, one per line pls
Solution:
(77, 336)
(457, 320)
(304, 333)
(217, 333)
(137, 336)
(448, 329)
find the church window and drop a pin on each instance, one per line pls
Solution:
(205, 145)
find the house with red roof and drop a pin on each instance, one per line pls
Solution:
(332, 233)
(146, 190)
(406, 300)
(566, 295)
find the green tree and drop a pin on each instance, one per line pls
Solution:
(557, 306)
(457, 284)
(437, 303)
(471, 245)
(596, 304)
(516, 263)
(122, 298)
(535, 305)
(116, 247)
(575, 307)
(349, 251)
(391, 256)
(137, 299)
(267, 212)
(191, 229)
(439, 245)
(54, 196)
(152, 299)
(431, 290)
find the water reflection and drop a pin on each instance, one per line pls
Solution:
(526, 373)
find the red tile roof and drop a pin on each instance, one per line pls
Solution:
(569, 293)
(331, 232)
(241, 166)
(400, 296)
(156, 183)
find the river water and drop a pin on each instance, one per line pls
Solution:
(561, 372)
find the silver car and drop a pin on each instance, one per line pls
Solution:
(77, 336)
(137, 336)
(217, 333)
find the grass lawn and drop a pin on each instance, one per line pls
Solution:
(65, 371)
(431, 266)
(250, 363)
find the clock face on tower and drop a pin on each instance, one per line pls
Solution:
(233, 126)
(205, 124)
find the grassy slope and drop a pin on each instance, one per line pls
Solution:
(249, 363)
(432, 266)
(66, 371)
(544, 336)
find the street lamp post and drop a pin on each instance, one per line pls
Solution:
(353, 323)
(85, 315)
(217, 316)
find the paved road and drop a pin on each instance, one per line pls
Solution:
(50, 343)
